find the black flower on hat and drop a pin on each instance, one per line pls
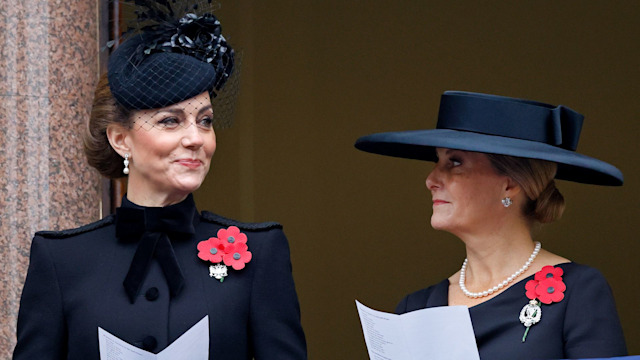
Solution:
(174, 51)
(196, 36)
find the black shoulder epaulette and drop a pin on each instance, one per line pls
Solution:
(221, 220)
(83, 229)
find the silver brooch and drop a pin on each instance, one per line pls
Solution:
(530, 315)
(218, 271)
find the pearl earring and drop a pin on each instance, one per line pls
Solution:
(507, 202)
(126, 164)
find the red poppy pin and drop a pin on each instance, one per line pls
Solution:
(547, 287)
(228, 248)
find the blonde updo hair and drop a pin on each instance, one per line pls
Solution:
(545, 203)
(105, 111)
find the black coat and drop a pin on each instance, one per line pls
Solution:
(584, 324)
(75, 285)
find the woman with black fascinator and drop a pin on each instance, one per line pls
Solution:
(157, 267)
(496, 159)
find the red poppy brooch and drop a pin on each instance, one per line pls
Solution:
(228, 248)
(546, 287)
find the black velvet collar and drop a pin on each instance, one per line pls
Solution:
(154, 228)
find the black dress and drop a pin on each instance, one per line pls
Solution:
(75, 285)
(584, 324)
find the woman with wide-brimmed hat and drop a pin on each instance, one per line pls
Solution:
(158, 266)
(496, 159)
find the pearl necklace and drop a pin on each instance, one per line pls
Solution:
(524, 268)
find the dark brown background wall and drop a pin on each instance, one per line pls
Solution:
(319, 74)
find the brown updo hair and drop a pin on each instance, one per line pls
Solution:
(105, 111)
(544, 203)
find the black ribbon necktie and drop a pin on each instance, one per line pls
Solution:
(153, 227)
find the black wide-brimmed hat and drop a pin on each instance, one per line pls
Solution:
(173, 51)
(500, 125)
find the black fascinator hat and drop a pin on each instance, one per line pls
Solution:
(500, 125)
(173, 51)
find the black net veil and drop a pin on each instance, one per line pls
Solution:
(173, 67)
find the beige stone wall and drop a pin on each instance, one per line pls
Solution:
(48, 66)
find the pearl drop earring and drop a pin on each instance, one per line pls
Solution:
(126, 164)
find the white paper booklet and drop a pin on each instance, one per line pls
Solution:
(434, 333)
(192, 345)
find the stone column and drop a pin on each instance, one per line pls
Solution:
(48, 69)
